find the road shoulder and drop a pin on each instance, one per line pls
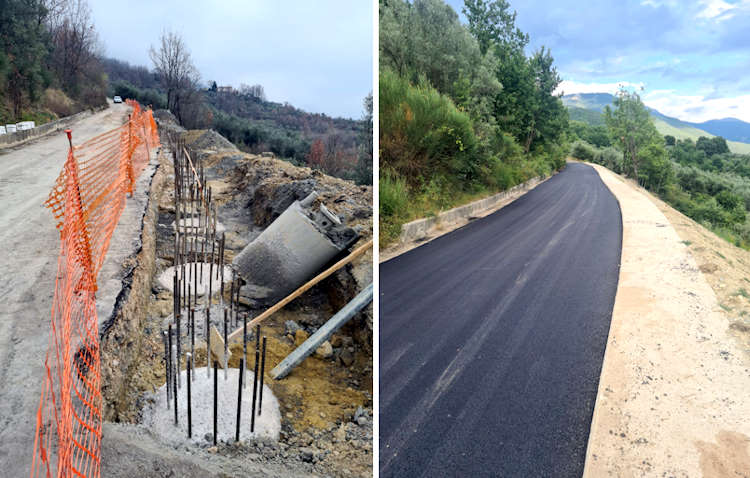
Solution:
(672, 398)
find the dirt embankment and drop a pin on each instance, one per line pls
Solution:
(326, 402)
(672, 397)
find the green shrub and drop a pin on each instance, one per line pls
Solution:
(583, 151)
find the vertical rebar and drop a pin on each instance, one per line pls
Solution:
(244, 339)
(239, 400)
(179, 350)
(216, 405)
(192, 336)
(208, 341)
(231, 298)
(168, 358)
(195, 272)
(177, 373)
(262, 372)
(226, 345)
(221, 269)
(189, 405)
(255, 391)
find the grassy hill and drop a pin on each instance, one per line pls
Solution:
(587, 107)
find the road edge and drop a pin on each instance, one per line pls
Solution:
(666, 335)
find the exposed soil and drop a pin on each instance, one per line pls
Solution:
(326, 403)
(672, 397)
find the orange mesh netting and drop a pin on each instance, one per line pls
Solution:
(88, 199)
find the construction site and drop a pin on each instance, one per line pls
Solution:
(211, 311)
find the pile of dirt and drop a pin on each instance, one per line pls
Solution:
(207, 140)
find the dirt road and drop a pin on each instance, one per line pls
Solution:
(30, 244)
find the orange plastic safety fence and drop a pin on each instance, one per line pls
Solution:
(88, 199)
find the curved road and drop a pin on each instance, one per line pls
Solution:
(492, 337)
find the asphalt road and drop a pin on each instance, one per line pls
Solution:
(30, 245)
(492, 337)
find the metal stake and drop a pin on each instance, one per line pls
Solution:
(226, 345)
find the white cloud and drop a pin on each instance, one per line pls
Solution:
(714, 9)
(569, 87)
(696, 108)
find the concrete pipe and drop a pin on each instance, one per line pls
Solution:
(291, 250)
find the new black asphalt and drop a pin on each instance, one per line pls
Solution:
(492, 337)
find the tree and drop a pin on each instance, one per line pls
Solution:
(316, 156)
(22, 38)
(363, 173)
(630, 125)
(669, 140)
(74, 45)
(492, 23)
(175, 69)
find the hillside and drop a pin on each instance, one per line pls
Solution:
(587, 107)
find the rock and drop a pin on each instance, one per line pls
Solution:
(291, 327)
(306, 455)
(299, 337)
(359, 412)
(362, 421)
(208, 437)
(336, 341)
(340, 434)
(325, 350)
(346, 357)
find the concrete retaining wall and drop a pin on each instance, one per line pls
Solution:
(13, 139)
(421, 228)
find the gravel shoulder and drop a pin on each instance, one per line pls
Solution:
(672, 397)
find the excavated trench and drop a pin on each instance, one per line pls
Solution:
(320, 399)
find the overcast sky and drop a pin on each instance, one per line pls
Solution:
(692, 56)
(317, 55)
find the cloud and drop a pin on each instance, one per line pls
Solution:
(698, 108)
(569, 87)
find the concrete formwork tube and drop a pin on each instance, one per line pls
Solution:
(291, 250)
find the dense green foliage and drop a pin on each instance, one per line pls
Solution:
(701, 179)
(463, 111)
(47, 63)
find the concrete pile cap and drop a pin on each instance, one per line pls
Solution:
(160, 419)
(165, 278)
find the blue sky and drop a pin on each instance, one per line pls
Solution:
(315, 55)
(692, 56)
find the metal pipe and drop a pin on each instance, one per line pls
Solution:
(195, 273)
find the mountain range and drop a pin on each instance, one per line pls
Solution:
(587, 107)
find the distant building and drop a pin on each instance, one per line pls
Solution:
(225, 89)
